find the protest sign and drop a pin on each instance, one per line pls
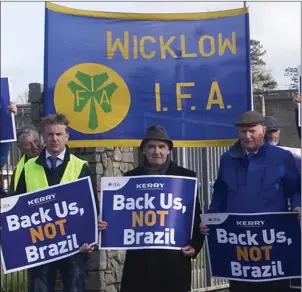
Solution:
(190, 72)
(254, 247)
(7, 120)
(47, 225)
(147, 211)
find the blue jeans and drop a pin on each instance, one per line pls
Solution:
(72, 270)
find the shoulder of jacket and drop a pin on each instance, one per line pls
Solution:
(226, 156)
(279, 151)
(21, 160)
(31, 161)
(78, 159)
(184, 171)
(132, 172)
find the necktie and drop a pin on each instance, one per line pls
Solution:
(250, 155)
(53, 161)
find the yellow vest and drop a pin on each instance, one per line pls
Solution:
(35, 177)
(18, 171)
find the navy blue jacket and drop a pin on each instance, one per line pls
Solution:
(265, 184)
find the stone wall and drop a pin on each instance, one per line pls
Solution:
(107, 161)
(105, 267)
(35, 99)
(279, 104)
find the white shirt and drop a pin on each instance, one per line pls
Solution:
(60, 158)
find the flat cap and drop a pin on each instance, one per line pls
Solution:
(157, 133)
(251, 118)
(271, 124)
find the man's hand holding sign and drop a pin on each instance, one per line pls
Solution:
(252, 238)
(102, 225)
(153, 212)
(47, 225)
(259, 247)
(54, 212)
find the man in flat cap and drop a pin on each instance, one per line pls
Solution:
(161, 270)
(272, 130)
(273, 134)
(250, 181)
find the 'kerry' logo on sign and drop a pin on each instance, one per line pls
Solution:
(94, 98)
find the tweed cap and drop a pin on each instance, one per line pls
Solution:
(157, 133)
(251, 118)
(271, 124)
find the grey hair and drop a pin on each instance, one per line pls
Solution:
(25, 132)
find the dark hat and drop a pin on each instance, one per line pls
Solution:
(157, 133)
(271, 124)
(251, 118)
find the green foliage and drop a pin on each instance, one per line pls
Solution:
(293, 75)
(262, 80)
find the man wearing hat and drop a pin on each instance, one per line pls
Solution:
(272, 130)
(250, 180)
(273, 134)
(151, 270)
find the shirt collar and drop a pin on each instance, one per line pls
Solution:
(60, 156)
(247, 153)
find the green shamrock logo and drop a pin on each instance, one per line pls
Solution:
(92, 88)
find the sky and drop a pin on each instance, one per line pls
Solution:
(277, 25)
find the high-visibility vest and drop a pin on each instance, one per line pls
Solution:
(18, 171)
(35, 177)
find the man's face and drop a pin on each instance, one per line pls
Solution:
(30, 145)
(251, 138)
(274, 137)
(156, 152)
(55, 137)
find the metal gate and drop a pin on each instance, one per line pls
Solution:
(205, 162)
(13, 282)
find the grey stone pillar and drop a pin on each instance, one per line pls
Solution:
(36, 104)
(105, 267)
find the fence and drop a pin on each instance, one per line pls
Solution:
(18, 281)
(205, 162)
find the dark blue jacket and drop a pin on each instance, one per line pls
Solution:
(262, 185)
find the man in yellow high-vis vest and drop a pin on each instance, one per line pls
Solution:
(55, 165)
(30, 146)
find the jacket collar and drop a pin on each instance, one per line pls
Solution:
(41, 160)
(171, 169)
(237, 151)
